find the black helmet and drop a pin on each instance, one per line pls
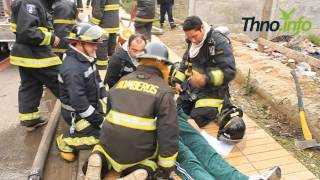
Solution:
(157, 51)
(86, 32)
(231, 125)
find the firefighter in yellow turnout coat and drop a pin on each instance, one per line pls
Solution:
(140, 135)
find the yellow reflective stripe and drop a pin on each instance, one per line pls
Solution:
(29, 116)
(102, 62)
(112, 30)
(94, 21)
(35, 63)
(131, 121)
(143, 19)
(57, 50)
(103, 106)
(62, 146)
(13, 27)
(82, 124)
(47, 38)
(217, 77)
(167, 161)
(209, 103)
(79, 141)
(63, 21)
(120, 167)
(85, 38)
(180, 76)
(111, 7)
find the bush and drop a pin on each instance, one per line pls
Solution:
(315, 39)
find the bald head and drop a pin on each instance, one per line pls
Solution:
(136, 44)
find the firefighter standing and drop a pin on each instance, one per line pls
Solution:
(124, 60)
(143, 14)
(105, 13)
(209, 65)
(141, 117)
(82, 93)
(32, 53)
(64, 17)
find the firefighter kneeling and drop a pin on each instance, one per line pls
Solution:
(139, 138)
(82, 93)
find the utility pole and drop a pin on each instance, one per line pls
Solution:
(266, 15)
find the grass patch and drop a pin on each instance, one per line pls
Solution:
(315, 39)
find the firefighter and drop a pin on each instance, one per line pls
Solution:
(124, 61)
(141, 118)
(64, 18)
(203, 76)
(32, 53)
(82, 93)
(143, 14)
(105, 13)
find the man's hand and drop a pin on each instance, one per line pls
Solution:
(56, 41)
(178, 87)
(197, 79)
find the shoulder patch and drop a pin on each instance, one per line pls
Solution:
(31, 8)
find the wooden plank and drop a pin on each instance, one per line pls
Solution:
(275, 161)
(267, 155)
(238, 160)
(245, 168)
(257, 142)
(299, 176)
(261, 148)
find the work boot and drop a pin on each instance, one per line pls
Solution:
(68, 156)
(172, 25)
(40, 123)
(161, 25)
(139, 174)
(272, 174)
(94, 167)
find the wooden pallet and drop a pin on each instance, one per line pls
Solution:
(257, 153)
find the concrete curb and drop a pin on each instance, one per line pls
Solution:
(278, 89)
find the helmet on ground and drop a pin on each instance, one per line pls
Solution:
(157, 51)
(231, 126)
(86, 32)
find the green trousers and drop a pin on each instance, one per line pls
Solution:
(199, 159)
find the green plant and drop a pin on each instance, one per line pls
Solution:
(314, 38)
(248, 87)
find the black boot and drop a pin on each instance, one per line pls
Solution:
(173, 25)
(161, 25)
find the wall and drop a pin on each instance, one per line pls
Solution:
(230, 12)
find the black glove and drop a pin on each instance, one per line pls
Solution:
(163, 174)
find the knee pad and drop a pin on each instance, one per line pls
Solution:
(203, 115)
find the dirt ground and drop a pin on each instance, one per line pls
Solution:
(268, 118)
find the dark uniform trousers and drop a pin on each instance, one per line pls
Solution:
(166, 8)
(30, 91)
(144, 17)
(38, 65)
(105, 13)
(80, 86)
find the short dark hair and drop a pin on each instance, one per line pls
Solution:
(192, 23)
(136, 36)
